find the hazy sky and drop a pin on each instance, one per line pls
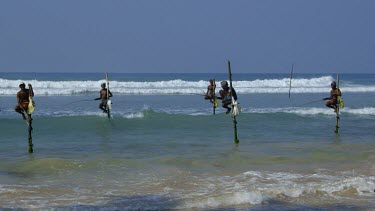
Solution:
(325, 36)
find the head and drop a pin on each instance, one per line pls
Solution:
(22, 86)
(103, 85)
(211, 81)
(224, 84)
(333, 85)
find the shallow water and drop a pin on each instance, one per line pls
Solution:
(167, 151)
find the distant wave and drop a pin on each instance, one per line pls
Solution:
(313, 85)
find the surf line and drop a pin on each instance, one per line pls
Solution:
(235, 111)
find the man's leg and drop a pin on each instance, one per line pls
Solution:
(225, 105)
(332, 104)
(101, 106)
(18, 109)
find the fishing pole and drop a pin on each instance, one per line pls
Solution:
(315, 101)
(78, 101)
(290, 82)
(204, 94)
(196, 94)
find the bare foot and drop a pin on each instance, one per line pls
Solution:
(228, 110)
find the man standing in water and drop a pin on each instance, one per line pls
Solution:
(210, 92)
(335, 92)
(103, 97)
(23, 100)
(225, 95)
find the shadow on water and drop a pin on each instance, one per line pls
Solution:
(166, 202)
(284, 206)
(277, 205)
(16, 174)
(134, 202)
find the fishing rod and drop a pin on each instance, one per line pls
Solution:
(204, 94)
(315, 101)
(290, 82)
(78, 101)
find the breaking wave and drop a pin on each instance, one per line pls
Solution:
(313, 85)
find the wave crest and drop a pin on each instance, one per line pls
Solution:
(313, 85)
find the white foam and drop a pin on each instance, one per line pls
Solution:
(249, 188)
(313, 111)
(72, 114)
(255, 187)
(296, 185)
(137, 115)
(313, 85)
(226, 200)
(361, 111)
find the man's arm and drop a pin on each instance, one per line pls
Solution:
(221, 93)
(208, 89)
(31, 90)
(99, 98)
(110, 94)
(328, 98)
(338, 92)
(18, 98)
(234, 94)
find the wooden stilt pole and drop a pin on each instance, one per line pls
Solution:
(233, 116)
(337, 107)
(30, 129)
(214, 96)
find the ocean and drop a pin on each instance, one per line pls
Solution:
(164, 149)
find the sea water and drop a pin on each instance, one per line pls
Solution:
(164, 149)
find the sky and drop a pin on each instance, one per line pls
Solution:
(187, 36)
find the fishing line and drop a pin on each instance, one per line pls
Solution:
(78, 101)
(315, 101)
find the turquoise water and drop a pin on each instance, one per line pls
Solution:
(165, 150)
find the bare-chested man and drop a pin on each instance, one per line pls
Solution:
(335, 92)
(23, 100)
(103, 97)
(210, 95)
(225, 95)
